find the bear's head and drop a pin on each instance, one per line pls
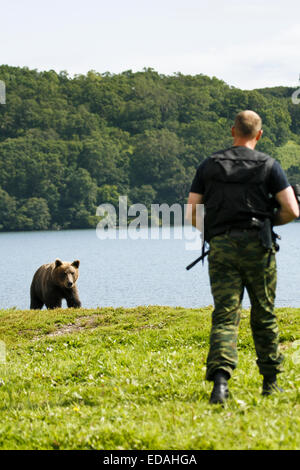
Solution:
(65, 274)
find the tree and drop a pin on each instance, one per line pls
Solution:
(33, 214)
(156, 161)
(7, 211)
(69, 143)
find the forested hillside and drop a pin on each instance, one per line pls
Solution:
(69, 144)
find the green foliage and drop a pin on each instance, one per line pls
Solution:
(66, 143)
(289, 155)
(7, 210)
(33, 214)
(135, 379)
(108, 193)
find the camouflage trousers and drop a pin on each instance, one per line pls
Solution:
(236, 263)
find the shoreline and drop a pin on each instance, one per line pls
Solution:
(126, 309)
(114, 228)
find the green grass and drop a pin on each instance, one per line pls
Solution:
(134, 379)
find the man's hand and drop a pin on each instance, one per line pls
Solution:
(289, 207)
(191, 213)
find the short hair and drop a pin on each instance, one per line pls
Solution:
(247, 124)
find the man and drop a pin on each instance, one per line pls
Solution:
(235, 186)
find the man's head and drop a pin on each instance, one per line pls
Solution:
(247, 128)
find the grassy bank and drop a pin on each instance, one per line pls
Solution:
(134, 379)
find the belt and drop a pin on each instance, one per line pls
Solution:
(239, 232)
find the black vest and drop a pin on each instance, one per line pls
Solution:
(236, 194)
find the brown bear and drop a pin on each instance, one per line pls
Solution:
(53, 282)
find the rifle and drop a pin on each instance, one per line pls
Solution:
(201, 258)
(267, 235)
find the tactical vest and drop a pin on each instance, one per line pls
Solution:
(236, 194)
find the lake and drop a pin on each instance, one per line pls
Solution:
(127, 272)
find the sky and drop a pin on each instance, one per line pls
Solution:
(248, 44)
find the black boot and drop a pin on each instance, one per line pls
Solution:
(270, 385)
(220, 391)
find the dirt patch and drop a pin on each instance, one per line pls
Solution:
(80, 324)
(89, 322)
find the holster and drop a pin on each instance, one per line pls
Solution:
(268, 237)
(266, 234)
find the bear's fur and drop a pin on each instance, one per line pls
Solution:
(53, 282)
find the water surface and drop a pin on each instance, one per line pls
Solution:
(129, 272)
